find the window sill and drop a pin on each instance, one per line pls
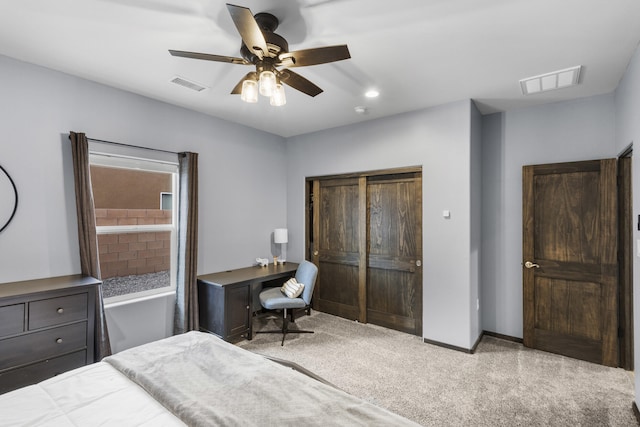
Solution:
(138, 297)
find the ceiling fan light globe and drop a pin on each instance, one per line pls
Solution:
(249, 91)
(267, 83)
(278, 97)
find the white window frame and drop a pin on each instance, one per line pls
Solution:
(122, 161)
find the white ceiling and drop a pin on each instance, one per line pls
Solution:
(417, 53)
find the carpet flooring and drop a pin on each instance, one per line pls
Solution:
(502, 384)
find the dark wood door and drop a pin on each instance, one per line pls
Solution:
(394, 273)
(570, 279)
(367, 243)
(337, 247)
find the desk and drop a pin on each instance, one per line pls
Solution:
(225, 298)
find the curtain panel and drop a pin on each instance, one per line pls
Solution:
(87, 238)
(186, 307)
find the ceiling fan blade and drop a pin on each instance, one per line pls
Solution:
(208, 57)
(249, 29)
(315, 56)
(237, 90)
(298, 82)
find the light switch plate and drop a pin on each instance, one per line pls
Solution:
(446, 214)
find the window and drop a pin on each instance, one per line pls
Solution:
(166, 201)
(137, 239)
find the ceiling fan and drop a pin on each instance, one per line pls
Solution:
(267, 51)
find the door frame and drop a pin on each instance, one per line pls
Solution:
(625, 260)
(312, 221)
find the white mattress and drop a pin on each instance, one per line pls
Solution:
(93, 395)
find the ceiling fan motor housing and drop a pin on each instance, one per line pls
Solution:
(276, 44)
(266, 21)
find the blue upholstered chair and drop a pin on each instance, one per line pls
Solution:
(274, 299)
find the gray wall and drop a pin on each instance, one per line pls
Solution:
(438, 139)
(476, 223)
(562, 132)
(239, 167)
(627, 101)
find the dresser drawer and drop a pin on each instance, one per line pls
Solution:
(36, 346)
(11, 320)
(56, 311)
(20, 377)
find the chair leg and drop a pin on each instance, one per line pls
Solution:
(307, 310)
(285, 328)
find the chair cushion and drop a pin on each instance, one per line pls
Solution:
(273, 298)
(292, 288)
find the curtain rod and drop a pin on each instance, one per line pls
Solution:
(132, 146)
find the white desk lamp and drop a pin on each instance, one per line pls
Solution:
(280, 236)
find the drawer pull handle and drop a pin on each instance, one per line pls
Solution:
(60, 310)
(59, 341)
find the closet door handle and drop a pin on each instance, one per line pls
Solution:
(315, 253)
(529, 264)
(418, 263)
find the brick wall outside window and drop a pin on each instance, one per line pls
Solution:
(132, 217)
(126, 254)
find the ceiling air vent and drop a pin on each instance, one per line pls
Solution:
(551, 81)
(188, 84)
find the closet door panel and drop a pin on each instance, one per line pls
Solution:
(334, 297)
(394, 279)
(337, 245)
(396, 306)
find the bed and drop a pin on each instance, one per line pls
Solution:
(193, 379)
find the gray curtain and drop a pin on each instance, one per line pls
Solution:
(186, 310)
(87, 238)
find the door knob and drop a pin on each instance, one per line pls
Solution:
(529, 264)
(315, 253)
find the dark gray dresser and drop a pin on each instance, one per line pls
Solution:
(46, 328)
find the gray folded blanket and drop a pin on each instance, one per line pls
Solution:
(206, 381)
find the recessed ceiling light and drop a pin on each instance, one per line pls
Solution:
(551, 81)
(372, 93)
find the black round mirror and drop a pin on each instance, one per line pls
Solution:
(9, 197)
